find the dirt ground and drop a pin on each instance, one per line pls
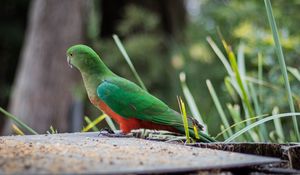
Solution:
(90, 153)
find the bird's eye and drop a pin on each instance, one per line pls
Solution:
(71, 54)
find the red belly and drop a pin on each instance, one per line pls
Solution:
(128, 124)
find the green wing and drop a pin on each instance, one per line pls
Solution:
(129, 100)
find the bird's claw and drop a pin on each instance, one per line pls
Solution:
(110, 133)
(106, 130)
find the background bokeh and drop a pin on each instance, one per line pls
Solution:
(163, 38)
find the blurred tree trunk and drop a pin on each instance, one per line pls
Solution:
(13, 25)
(42, 90)
(171, 12)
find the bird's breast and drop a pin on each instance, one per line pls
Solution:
(106, 109)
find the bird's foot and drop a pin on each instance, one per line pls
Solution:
(110, 133)
(191, 141)
(105, 130)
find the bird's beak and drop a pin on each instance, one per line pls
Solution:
(69, 61)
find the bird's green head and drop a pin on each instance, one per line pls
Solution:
(82, 57)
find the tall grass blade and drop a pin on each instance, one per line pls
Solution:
(220, 55)
(293, 136)
(266, 119)
(239, 124)
(237, 80)
(52, 130)
(278, 125)
(253, 135)
(271, 86)
(230, 88)
(92, 124)
(242, 66)
(242, 71)
(218, 106)
(184, 119)
(235, 77)
(242, 86)
(260, 75)
(235, 86)
(235, 112)
(17, 130)
(89, 121)
(225, 134)
(241, 59)
(128, 60)
(191, 101)
(282, 63)
(196, 132)
(18, 121)
(263, 83)
(225, 62)
(263, 133)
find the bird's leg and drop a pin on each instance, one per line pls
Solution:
(110, 133)
(105, 130)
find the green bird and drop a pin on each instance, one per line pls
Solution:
(125, 102)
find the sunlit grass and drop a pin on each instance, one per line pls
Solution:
(242, 85)
(191, 101)
(17, 130)
(234, 77)
(184, 119)
(239, 82)
(89, 122)
(52, 130)
(196, 132)
(92, 124)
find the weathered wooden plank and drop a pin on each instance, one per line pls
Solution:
(90, 153)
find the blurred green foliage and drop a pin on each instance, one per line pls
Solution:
(246, 22)
(159, 58)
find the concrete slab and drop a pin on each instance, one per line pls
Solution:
(90, 153)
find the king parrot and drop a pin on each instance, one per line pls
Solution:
(125, 102)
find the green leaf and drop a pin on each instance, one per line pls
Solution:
(218, 106)
(282, 63)
(278, 125)
(294, 72)
(266, 119)
(184, 119)
(18, 121)
(128, 60)
(92, 124)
